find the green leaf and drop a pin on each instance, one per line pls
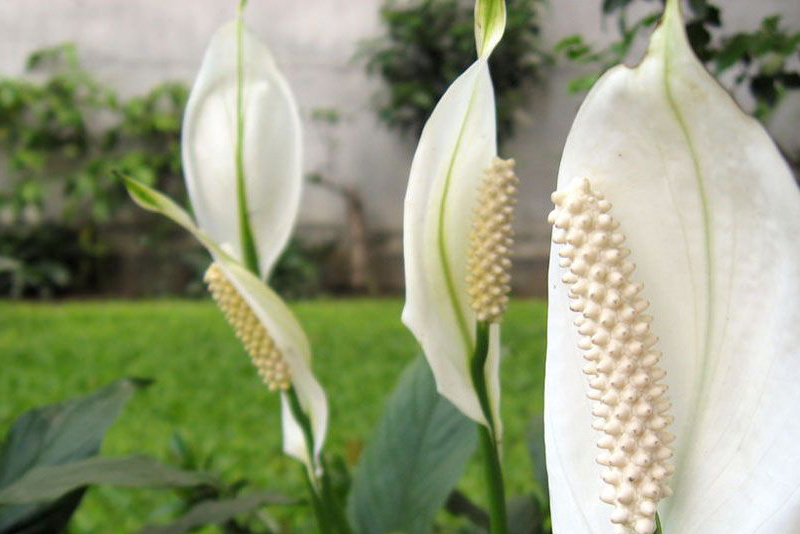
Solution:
(417, 454)
(763, 88)
(53, 435)
(459, 505)
(47, 519)
(525, 516)
(610, 6)
(699, 38)
(218, 512)
(45, 483)
(536, 451)
(790, 80)
(584, 83)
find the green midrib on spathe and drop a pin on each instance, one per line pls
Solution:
(705, 211)
(463, 326)
(249, 252)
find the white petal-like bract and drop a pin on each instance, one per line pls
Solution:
(456, 147)
(272, 161)
(711, 213)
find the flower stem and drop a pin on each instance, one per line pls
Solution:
(316, 504)
(310, 471)
(658, 525)
(488, 435)
(326, 506)
(494, 479)
(332, 502)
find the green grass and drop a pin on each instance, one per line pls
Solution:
(206, 389)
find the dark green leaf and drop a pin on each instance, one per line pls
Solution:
(699, 38)
(63, 432)
(459, 505)
(57, 434)
(49, 519)
(790, 80)
(713, 16)
(415, 457)
(525, 516)
(217, 512)
(610, 6)
(763, 88)
(699, 8)
(733, 50)
(537, 454)
(45, 483)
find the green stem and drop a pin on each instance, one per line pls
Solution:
(249, 252)
(316, 504)
(488, 436)
(494, 479)
(335, 508)
(327, 508)
(658, 525)
(310, 471)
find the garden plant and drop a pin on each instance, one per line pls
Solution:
(673, 366)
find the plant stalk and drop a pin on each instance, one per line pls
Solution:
(310, 471)
(488, 435)
(316, 503)
(335, 508)
(658, 525)
(327, 509)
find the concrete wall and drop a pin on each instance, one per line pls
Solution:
(135, 44)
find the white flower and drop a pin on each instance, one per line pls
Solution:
(241, 155)
(457, 147)
(711, 214)
(274, 317)
(262, 200)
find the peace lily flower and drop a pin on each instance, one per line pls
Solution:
(661, 158)
(243, 176)
(457, 240)
(241, 150)
(456, 233)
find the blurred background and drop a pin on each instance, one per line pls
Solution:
(91, 85)
(93, 288)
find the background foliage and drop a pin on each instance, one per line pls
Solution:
(760, 59)
(60, 137)
(428, 43)
(62, 133)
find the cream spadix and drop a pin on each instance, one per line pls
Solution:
(711, 214)
(258, 343)
(489, 253)
(630, 404)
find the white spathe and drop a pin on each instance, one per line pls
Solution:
(272, 147)
(457, 145)
(712, 217)
(274, 315)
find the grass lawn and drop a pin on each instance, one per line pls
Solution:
(207, 390)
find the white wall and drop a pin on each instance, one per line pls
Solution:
(135, 44)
